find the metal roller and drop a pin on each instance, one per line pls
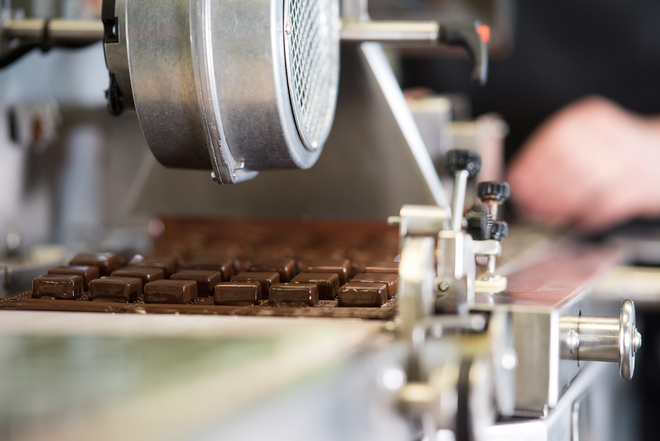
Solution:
(614, 339)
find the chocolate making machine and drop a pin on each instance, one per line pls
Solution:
(475, 344)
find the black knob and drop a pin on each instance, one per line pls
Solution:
(493, 191)
(457, 160)
(499, 230)
(479, 222)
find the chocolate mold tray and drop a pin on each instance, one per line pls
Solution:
(233, 267)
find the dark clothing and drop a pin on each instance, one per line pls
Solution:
(563, 50)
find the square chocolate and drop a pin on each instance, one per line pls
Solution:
(88, 273)
(106, 262)
(169, 265)
(363, 294)
(115, 289)
(146, 274)
(382, 267)
(237, 293)
(327, 283)
(390, 279)
(206, 280)
(293, 294)
(265, 280)
(170, 291)
(60, 287)
(286, 268)
(341, 267)
(223, 265)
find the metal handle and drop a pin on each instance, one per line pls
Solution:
(614, 339)
(471, 35)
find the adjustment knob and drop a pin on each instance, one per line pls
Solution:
(479, 222)
(499, 230)
(493, 191)
(457, 160)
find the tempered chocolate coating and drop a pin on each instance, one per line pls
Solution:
(242, 265)
(301, 267)
(145, 274)
(170, 291)
(237, 293)
(265, 280)
(61, 287)
(341, 267)
(168, 264)
(206, 280)
(221, 264)
(233, 244)
(106, 262)
(380, 267)
(88, 273)
(363, 294)
(115, 289)
(286, 268)
(293, 294)
(327, 283)
(390, 279)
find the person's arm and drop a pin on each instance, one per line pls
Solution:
(593, 165)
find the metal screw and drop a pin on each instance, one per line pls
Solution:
(443, 286)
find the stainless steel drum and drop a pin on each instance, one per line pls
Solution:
(235, 86)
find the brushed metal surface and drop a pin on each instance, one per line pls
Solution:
(209, 82)
(538, 297)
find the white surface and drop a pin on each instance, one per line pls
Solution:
(76, 323)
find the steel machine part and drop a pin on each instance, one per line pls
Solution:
(256, 81)
(241, 86)
(459, 374)
(281, 54)
(18, 37)
(493, 194)
(615, 339)
(549, 324)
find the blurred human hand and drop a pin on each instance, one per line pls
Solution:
(592, 165)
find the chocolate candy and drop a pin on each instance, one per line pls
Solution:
(237, 293)
(206, 280)
(145, 274)
(286, 268)
(115, 289)
(265, 280)
(328, 284)
(88, 273)
(169, 265)
(59, 287)
(106, 262)
(363, 294)
(390, 279)
(170, 291)
(341, 267)
(293, 294)
(382, 267)
(223, 265)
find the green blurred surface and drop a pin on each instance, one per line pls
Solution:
(45, 378)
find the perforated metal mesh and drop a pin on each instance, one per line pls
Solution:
(312, 58)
